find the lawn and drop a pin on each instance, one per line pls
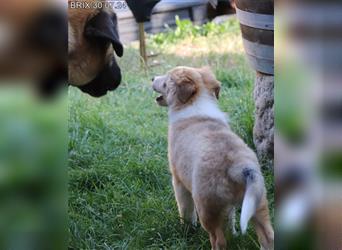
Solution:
(120, 194)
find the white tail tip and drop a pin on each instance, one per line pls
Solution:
(247, 211)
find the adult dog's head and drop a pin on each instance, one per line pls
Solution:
(92, 40)
(183, 85)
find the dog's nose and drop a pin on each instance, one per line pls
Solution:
(152, 79)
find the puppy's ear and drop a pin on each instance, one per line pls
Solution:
(185, 90)
(217, 91)
(210, 81)
(104, 26)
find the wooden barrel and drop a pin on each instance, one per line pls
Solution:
(257, 27)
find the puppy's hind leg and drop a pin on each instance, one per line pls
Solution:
(185, 203)
(213, 222)
(232, 220)
(263, 226)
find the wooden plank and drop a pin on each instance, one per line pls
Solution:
(157, 20)
(129, 31)
(255, 20)
(199, 14)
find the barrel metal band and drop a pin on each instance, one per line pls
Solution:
(255, 20)
(259, 50)
(261, 65)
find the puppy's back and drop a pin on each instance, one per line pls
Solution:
(201, 137)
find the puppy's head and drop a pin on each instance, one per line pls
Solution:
(183, 85)
(93, 39)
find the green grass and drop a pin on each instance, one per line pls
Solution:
(120, 194)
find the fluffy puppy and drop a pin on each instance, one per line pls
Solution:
(92, 39)
(213, 170)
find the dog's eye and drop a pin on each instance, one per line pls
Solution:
(164, 85)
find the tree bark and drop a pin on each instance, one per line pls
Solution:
(263, 131)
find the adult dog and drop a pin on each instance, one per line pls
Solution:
(92, 39)
(213, 170)
(33, 44)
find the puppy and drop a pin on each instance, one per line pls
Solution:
(92, 39)
(213, 170)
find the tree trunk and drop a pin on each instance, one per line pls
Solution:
(263, 131)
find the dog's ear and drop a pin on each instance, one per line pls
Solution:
(185, 90)
(104, 26)
(217, 91)
(210, 81)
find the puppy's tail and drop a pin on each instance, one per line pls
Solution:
(254, 183)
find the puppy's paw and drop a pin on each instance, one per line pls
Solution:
(194, 219)
(232, 222)
(234, 231)
(194, 223)
(270, 246)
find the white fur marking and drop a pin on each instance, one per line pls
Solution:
(71, 38)
(247, 210)
(203, 106)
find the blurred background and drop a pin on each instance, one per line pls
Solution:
(308, 112)
(163, 15)
(33, 124)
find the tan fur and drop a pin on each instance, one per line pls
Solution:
(205, 159)
(17, 58)
(210, 81)
(85, 60)
(186, 85)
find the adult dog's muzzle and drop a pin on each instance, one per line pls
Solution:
(107, 80)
